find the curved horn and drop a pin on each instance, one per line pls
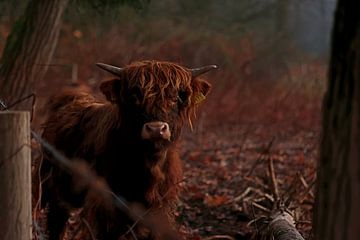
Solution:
(201, 70)
(111, 69)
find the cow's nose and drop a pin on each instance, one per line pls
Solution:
(156, 130)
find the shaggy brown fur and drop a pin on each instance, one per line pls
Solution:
(107, 135)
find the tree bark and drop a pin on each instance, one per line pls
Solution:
(337, 208)
(29, 49)
(282, 227)
(15, 176)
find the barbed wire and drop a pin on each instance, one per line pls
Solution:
(4, 106)
(39, 232)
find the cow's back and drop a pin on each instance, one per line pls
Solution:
(66, 128)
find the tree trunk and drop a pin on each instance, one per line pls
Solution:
(15, 176)
(282, 9)
(29, 49)
(337, 208)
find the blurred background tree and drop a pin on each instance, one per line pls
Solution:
(267, 43)
(32, 41)
(29, 48)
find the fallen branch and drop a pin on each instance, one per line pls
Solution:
(279, 226)
(282, 227)
(265, 152)
(219, 237)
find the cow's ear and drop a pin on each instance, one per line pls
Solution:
(111, 89)
(204, 87)
(201, 90)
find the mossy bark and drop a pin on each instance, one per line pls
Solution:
(337, 208)
(29, 49)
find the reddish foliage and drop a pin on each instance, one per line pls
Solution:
(249, 105)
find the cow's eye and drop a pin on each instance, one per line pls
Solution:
(182, 97)
(135, 99)
(136, 96)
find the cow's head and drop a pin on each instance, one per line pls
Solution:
(155, 98)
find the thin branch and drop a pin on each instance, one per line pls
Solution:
(303, 181)
(302, 199)
(265, 151)
(88, 228)
(261, 207)
(241, 196)
(274, 181)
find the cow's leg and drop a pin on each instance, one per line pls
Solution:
(56, 219)
(102, 226)
(108, 226)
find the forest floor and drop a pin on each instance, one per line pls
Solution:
(226, 178)
(227, 182)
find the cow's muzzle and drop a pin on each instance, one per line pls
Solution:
(156, 130)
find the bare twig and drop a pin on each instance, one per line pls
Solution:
(265, 151)
(291, 191)
(260, 207)
(257, 181)
(241, 196)
(88, 228)
(302, 199)
(274, 181)
(303, 181)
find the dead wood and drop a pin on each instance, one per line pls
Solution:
(278, 224)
